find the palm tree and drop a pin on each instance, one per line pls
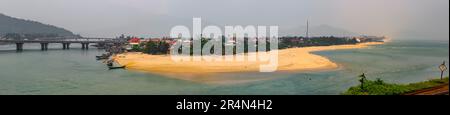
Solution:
(362, 80)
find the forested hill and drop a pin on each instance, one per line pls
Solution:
(10, 24)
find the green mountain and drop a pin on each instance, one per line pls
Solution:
(10, 24)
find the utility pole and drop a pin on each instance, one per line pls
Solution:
(307, 28)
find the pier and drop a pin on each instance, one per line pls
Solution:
(65, 42)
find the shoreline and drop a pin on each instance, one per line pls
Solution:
(292, 59)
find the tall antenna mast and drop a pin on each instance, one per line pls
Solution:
(307, 28)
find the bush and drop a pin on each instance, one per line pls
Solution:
(379, 87)
(136, 48)
(379, 81)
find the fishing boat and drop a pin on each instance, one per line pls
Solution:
(103, 57)
(121, 67)
(110, 65)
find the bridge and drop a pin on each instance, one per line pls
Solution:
(64, 41)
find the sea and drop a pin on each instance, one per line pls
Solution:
(77, 72)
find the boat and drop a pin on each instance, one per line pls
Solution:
(122, 67)
(103, 57)
(110, 64)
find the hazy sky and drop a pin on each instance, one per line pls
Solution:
(109, 18)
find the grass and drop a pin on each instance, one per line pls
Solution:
(379, 87)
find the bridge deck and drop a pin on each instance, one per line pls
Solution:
(55, 41)
(80, 40)
(65, 42)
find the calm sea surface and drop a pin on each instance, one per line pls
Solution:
(76, 71)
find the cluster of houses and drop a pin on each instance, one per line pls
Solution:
(140, 42)
(369, 38)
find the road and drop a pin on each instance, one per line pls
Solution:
(438, 90)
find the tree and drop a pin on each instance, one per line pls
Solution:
(150, 48)
(157, 47)
(136, 48)
(379, 81)
(163, 47)
(362, 80)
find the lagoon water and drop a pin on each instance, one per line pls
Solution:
(75, 71)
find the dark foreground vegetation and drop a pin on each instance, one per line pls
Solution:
(379, 87)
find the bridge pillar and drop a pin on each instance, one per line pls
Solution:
(85, 46)
(42, 46)
(66, 45)
(19, 46)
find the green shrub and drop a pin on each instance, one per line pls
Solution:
(379, 87)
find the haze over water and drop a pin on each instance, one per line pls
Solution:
(77, 72)
(411, 19)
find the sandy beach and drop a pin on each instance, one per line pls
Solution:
(293, 59)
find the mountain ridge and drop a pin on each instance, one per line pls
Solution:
(9, 24)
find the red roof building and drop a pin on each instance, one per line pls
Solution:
(134, 41)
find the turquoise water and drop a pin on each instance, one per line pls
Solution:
(77, 72)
